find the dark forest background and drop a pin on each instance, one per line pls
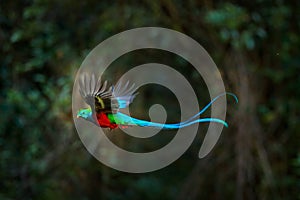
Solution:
(256, 46)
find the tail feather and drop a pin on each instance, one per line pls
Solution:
(123, 119)
(210, 103)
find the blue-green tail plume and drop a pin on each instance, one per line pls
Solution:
(123, 119)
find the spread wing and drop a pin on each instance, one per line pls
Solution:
(124, 94)
(105, 99)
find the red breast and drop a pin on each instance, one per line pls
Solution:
(104, 122)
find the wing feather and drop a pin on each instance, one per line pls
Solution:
(124, 95)
(96, 94)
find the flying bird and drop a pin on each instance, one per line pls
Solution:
(106, 104)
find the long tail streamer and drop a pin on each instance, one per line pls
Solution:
(123, 119)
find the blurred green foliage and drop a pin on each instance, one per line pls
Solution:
(43, 43)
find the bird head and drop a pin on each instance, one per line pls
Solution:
(84, 113)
